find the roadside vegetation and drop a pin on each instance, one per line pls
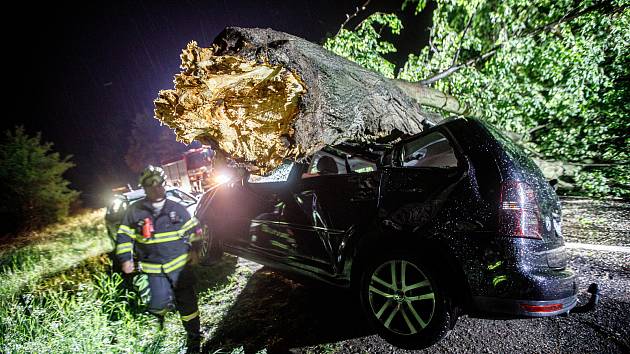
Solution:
(58, 292)
(35, 193)
(553, 74)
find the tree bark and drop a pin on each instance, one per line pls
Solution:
(427, 96)
(335, 99)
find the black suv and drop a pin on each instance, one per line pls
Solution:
(456, 219)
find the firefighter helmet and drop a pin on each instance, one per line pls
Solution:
(152, 176)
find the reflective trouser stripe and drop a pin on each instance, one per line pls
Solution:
(175, 264)
(190, 317)
(159, 312)
(155, 268)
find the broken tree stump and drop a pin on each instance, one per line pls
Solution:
(262, 96)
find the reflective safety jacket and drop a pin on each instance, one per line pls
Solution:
(164, 247)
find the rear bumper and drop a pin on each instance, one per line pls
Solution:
(523, 292)
(524, 308)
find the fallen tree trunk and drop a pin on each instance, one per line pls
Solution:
(261, 96)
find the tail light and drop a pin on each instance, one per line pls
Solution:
(542, 308)
(519, 214)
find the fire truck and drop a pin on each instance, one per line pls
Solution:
(190, 171)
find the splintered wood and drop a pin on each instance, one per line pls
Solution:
(262, 96)
(244, 107)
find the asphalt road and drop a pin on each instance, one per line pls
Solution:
(284, 315)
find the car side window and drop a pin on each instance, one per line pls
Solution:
(360, 165)
(279, 174)
(324, 163)
(431, 150)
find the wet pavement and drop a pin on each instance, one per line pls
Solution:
(601, 222)
(284, 314)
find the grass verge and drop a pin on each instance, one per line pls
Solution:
(58, 293)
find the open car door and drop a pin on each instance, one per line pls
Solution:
(314, 216)
(425, 170)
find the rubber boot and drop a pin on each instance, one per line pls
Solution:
(160, 319)
(193, 332)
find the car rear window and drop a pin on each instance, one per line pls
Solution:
(431, 150)
(511, 148)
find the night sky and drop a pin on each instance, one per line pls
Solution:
(80, 74)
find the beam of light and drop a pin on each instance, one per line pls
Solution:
(222, 178)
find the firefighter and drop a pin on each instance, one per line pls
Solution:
(155, 238)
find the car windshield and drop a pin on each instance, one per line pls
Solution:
(280, 174)
(180, 197)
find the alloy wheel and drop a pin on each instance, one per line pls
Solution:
(205, 242)
(401, 297)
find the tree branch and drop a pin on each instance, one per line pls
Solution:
(455, 68)
(427, 96)
(608, 8)
(433, 49)
(355, 14)
(461, 39)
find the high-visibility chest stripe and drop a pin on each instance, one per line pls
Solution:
(160, 240)
(192, 220)
(190, 317)
(166, 234)
(188, 228)
(162, 236)
(126, 228)
(123, 229)
(124, 245)
(189, 225)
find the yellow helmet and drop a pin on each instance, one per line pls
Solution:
(152, 176)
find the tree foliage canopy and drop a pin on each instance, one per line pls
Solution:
(31, 174)
(554, 72)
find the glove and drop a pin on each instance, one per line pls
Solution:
(141, 284)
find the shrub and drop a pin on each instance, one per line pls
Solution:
(35, 193)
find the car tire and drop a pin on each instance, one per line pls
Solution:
(211, 249)
(404, 301)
